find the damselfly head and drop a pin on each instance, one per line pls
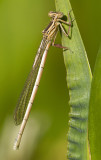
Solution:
(53, 14)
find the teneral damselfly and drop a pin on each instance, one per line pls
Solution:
(28, 94)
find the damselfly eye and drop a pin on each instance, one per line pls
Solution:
(53, 14)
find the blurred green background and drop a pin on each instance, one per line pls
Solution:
(21, 25)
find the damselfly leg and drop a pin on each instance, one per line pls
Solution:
(69, 23)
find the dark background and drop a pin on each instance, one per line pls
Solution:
(21, 25)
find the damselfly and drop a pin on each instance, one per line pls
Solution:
(28, 94)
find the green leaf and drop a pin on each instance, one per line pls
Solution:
(79, 84)
(95, 111)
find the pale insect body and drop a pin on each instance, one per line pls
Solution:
(29, 92)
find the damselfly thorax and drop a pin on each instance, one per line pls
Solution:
(51, 30)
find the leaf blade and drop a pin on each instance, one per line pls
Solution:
(79, 83)
(95, 111)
